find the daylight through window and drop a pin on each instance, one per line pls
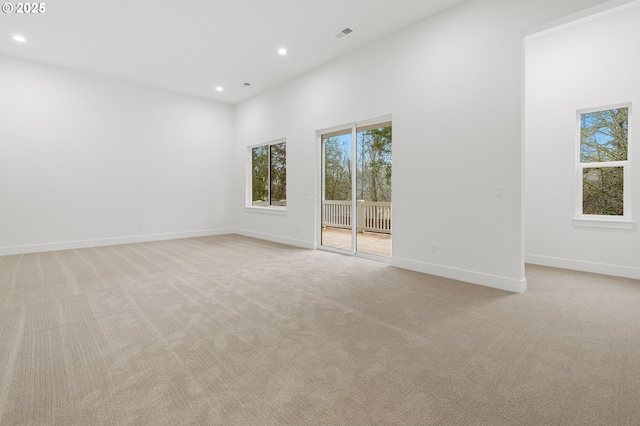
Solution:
(604, 147)
(269, 175)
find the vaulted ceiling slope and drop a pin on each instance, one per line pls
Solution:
(194, 46)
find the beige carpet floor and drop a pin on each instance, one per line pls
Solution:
(234, 331)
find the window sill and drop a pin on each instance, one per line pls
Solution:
(604, 223)
(268, 210)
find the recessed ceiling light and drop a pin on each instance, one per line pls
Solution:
(19, 38)
(219, 88)
(282, 51)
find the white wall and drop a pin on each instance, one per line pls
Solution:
(81, 154)
(453, 86)
(589, 65)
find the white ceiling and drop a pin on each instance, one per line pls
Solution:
(192, 46)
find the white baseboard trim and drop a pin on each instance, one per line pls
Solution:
(70, 245)
(486, 280)
(276, 239)
(501, 283)
(493, 281)
(581, 265)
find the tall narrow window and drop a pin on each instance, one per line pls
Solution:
(269, 175)
(604, 162)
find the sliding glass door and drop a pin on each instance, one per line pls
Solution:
(337, 190)
(356, 189)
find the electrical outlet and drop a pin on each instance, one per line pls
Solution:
(498, 192)
(434, 248)
(119, 227)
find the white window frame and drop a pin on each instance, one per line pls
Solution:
(249, 186)
(604, 221)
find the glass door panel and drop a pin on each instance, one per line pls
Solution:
(337, 191)
(373, 165)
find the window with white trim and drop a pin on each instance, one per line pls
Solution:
(603, 164)
(269, 175)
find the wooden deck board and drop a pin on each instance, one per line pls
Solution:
(367, 242)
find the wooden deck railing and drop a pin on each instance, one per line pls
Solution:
(371, 216)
